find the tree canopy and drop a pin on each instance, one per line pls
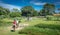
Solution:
(4, 11)
(49, 8)
(15, 13)
(27, 10)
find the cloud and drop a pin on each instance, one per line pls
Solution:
(37, 3)
(57, 3)
(9, 6)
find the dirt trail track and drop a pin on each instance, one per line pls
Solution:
(21, 26)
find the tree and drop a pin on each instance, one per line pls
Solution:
(15, 13)
(49, 9)
(27, 10)
(15, 10)
(35, 13)
(42, 12)
(4, 11)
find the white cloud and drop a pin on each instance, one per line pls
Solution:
(37, 3)
(9, 6)
(57, 3)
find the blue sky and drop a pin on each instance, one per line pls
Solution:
(37, 4)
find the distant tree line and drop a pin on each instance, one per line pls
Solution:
(48, 9)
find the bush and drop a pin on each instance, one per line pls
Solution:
(15, 14)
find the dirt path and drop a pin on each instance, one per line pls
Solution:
(21, 26)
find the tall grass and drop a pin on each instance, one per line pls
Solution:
(55, 18)
(39, 31)
(50, 26)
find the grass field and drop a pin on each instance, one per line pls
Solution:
(39, 26)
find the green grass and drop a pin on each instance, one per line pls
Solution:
(6, 22)
(39, 31)
(55, 18)
(43, 21)
(39, 26)
(42, 27)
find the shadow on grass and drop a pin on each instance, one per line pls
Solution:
(48, 26)
(38, 31)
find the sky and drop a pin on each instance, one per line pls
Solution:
(36, 4)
